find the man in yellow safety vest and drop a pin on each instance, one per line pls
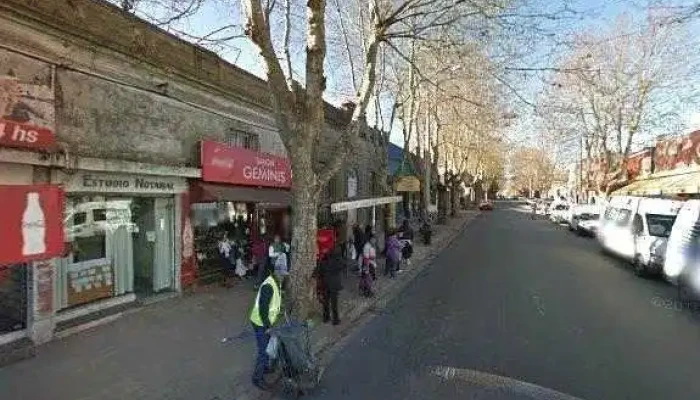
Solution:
(266, 310)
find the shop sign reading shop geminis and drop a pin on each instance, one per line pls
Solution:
(239, 166)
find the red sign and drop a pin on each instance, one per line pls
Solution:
(677, 152)
(14, 134)
(31, 223)
(223, 163)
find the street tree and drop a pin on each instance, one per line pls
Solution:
(292, 38)
(613, 87)
(532, 170)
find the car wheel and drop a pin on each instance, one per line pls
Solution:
(639, 268)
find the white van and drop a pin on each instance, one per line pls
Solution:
(683, 251)
(637, 229)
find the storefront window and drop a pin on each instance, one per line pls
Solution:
(116, 245)
(210, 222)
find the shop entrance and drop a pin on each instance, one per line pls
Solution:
(13, 298)
(153, 245)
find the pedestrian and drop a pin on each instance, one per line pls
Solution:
(358, 241)
(266, 310)
(393, 254)
(282, 270)
(369, 232)
(369, 257)
(331, 268)
(407, 242)
(226, 252)
(260, 259)
(276, 248)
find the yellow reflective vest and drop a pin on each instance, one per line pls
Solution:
(275, 303)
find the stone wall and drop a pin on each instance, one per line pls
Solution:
(125, 89)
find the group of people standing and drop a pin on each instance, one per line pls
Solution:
(262, 258)
(268, 305)
(398, 248)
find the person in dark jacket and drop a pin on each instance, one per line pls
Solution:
(406, 230)
(358, 240)
(331, 268)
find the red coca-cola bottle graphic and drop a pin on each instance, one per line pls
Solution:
(33, 227)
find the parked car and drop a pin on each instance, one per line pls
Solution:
(637, 229)
(682, 261)
(558, 212)
(587, 224)
(543, 207)
(486, 205)
(576, 210)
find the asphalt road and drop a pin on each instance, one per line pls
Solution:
(528, 303)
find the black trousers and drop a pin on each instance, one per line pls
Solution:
(330, 305)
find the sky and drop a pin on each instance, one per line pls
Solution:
(542, 51)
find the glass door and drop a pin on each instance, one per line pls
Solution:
(164, 254)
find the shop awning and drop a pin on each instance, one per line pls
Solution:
(667, 183)
(351, 205)
(208, 192)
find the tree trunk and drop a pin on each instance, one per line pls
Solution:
(455, 200)
(442, 198)
(304, 227)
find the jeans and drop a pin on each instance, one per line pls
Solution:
(330, 305)
(262, 361)
(390, 267)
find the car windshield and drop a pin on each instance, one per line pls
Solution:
(660, 225)
(587, 216)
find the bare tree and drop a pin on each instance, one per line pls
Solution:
(533, 170)
(613, 88)
(296, 42)
(299, 111)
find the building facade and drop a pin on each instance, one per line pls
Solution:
(120, 115)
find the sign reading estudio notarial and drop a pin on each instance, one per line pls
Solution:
(239, 166)
(32, 223)
(102, 182)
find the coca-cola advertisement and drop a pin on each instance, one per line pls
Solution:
(677, 152)
(32, 218)
(239, 166)
(26, 103)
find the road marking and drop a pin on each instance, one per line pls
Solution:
(498, 382)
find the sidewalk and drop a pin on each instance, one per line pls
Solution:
(172, 349)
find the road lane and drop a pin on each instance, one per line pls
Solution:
(530, 301)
